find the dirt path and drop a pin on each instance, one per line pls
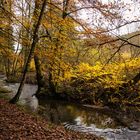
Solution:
(16, 124)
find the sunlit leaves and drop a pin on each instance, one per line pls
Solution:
(111, 75)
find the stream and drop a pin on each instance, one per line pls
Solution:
(99, 121)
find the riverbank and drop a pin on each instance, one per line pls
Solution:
(86, 91)
(18, 124)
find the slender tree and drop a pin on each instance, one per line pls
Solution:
(33, 45)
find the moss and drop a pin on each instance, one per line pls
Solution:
(4, 93)
(4, 90)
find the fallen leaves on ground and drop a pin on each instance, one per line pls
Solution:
(16, 124)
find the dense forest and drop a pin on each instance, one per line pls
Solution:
(74, 50)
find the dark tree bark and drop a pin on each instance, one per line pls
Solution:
(131, 82)
(52, 86)
(33, 45)
(136, 79)
(39, 75)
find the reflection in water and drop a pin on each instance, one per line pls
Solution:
(100, 122)
(53, 113)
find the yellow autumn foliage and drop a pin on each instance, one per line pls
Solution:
(110, 75)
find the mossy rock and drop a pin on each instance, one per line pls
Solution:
(4, 90)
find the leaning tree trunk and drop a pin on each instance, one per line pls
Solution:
(33, 45)
(131, 82)
(135, 79)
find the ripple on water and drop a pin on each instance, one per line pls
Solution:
(108, 133)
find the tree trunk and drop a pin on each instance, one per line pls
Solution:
(134, 80)
(39, 74)
(33, 45)
(52, 87)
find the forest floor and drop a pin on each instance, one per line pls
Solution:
(18, 124)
